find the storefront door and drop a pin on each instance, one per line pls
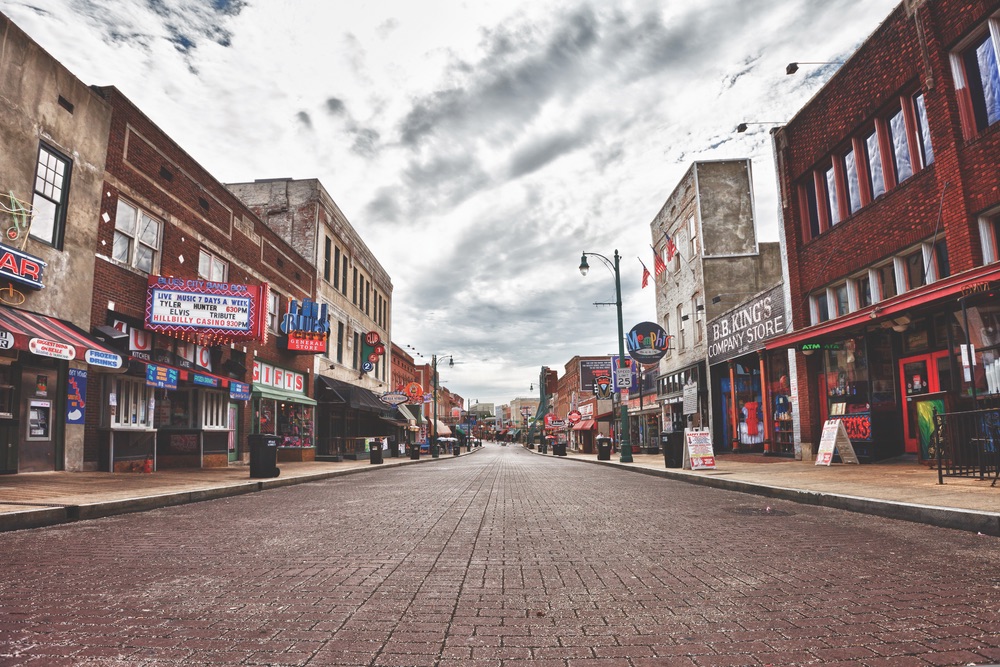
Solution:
(918, 375)
(234, 434)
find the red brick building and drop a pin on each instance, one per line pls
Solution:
(193, 391)
(890, 198)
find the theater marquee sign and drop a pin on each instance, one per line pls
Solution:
(745, 328)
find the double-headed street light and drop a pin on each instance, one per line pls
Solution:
(625, 446)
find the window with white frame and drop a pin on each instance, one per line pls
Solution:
(841, 300)
(127, 403)
(214, 410)
(212, 268)
(886, 281)
(698, 308)
(137, 238)
(819, 307)
(51, 192)
(922, 132)
(989, 237)
(832, 199)
(851, 178)
(862, 289)
(900, 144)
(273, 314)
(693, 234)
(680, 326)
(666, 329)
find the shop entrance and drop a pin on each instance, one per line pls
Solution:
(919, 375)
(234, 434)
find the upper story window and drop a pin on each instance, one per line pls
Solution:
(841, 299)
(895, 145)
(819, 307)
(977, 78)
(137, 238)
(922, 131)
(863, 290)
(212, 268)
(680, 326)
(875, 175)
(50, 195)
(693, 233)
(989, 237)
(327, 258)
(900, 147)
(832, 202)
(853, 184)
(886, 281)
(273, 307)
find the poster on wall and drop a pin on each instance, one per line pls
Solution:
(76, 393)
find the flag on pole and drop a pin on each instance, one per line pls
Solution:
(658, 264)
(645, 274)
(671, 247)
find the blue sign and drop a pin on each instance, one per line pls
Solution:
(239, 391)
(205, 380)
(76, 396)
(161, 377)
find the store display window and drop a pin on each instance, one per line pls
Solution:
(847, 372)
(978, 355)
(292, 421)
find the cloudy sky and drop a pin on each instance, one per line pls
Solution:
(478, 146)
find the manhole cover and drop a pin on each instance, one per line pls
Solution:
(760, 511)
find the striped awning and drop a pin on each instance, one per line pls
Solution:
(51, 337)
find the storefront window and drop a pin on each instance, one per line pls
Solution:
(215, 410)
(179, 412)
(847, 371)
(128, 403)
(292, 421)
(984, 336)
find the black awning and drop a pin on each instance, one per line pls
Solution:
(332, 391)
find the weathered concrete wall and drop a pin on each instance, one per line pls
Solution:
(725, 201)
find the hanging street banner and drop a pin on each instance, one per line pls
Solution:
(746, 327)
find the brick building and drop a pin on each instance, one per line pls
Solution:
(54, 133)
(891, 211)
(197, 287)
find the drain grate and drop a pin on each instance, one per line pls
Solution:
(760, 511)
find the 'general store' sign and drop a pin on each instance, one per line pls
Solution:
(745, 328)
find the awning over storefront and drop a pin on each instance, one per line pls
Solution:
(965, 283)
(51, 337)
(585, 425)
(331, 390)
(459, 430)
(264, 391)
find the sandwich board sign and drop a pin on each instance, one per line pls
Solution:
(698, 452)
(834, 437)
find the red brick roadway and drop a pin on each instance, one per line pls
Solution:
(503, 558)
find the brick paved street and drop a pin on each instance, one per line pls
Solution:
(499, 558)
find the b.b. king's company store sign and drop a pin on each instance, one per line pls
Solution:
(745, 328)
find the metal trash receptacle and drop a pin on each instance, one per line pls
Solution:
(415, 451)
(375, 452)
(263, 455)
(672, 445)
(603, 448)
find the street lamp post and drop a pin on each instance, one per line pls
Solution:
(434, 421)
(624, 445)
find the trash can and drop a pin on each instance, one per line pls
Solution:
(672, 445)
(435, 450)
(375, 452)
(455, 449)
(603, 448)
(559, 449)
(263, 455)
(415, 451)
(543, 447)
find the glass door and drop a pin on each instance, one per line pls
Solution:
(920, 375)
(234, 435)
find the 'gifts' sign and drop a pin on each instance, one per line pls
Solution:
(279, 378)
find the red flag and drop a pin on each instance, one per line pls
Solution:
(671, 247)
(645, 275)
(658, 264)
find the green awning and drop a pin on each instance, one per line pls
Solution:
(263, 391)
(458, 429)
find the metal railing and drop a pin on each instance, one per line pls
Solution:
(967, 444)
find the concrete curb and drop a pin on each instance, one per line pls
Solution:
(987, 523)
(55, 514)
